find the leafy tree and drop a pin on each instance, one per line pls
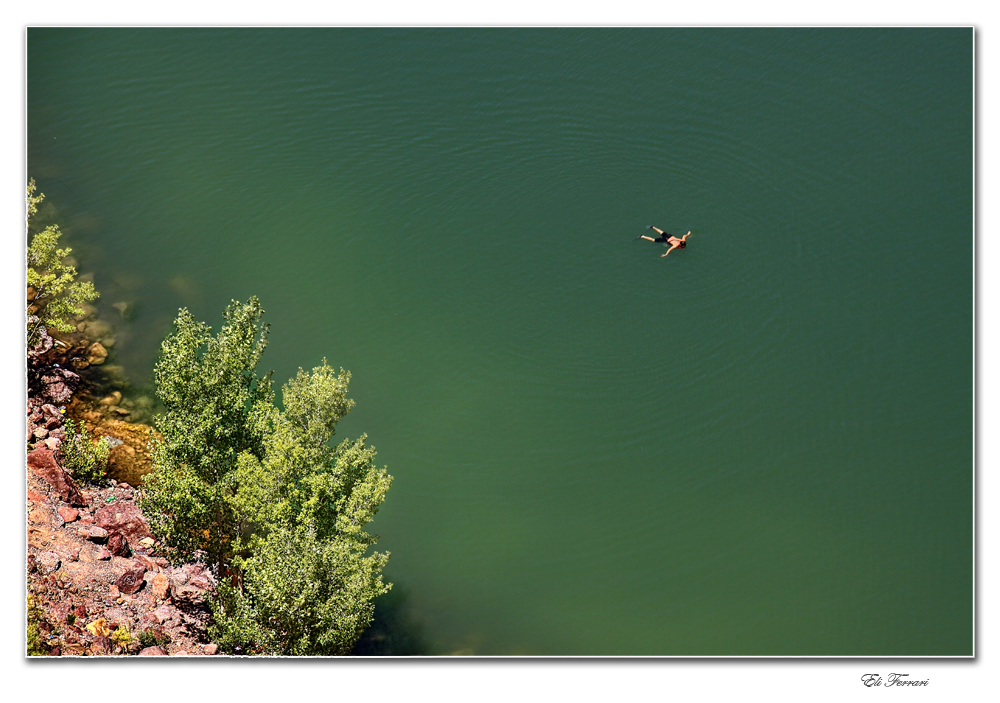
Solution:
(292, 507)
(54, 294)
(215, 409)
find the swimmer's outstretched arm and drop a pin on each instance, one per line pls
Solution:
(672, 247)
(684, 238)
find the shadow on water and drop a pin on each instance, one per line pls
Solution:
(394, 630)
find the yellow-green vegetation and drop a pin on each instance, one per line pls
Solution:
(54, 294)
(279, 511)
(122, 637)
(35, 638)
(87, 458)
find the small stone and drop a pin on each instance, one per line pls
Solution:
(179, 653)
(211, 649)
(131, 580)
(113, 399)
(108, 342)
(103, 555)
(160, 585)
(113, 592)
(162, 613)
(97, 534)
(68, 514)
(52, 443)
(40, 433)
(96, 354)
(74, 555)
(123, 412)
(48, 561)
(101, 646)
(147, 542)
(152, 652)
(118, 545)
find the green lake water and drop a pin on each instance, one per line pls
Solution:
(760, 445)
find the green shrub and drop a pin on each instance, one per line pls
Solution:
(280, 512)
(86, 458)
(148, 638)
(55, 294)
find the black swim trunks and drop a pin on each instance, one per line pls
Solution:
(665, 237)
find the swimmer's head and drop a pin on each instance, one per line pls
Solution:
(683, 244)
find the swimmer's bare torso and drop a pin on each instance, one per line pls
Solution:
(667, 238)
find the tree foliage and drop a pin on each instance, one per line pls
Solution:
(262, 490)
(54, 294)
(215, 409)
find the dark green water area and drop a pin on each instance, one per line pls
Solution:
(760, 445)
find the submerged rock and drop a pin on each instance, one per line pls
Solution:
(113, 398)
(96, 354)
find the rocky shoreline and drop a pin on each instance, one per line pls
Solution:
(98, 583)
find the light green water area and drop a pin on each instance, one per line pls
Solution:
(760, 445)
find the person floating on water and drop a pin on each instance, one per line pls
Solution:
(667, 238)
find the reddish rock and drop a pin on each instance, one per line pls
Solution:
(57, 385)
(130, 581)
(48, 561)
(43, 463)
(125, 518)
(35, 497)
(160, 585)
(92, 552)
(152, 652)
(80, 611)
(188, 595)
(211, 649)
(74, 555)
(96, 534)
(61, 611)
(101, 646)
(180, 653)
(163, 613)
(68, 514)
(118, 545)
(145, 562)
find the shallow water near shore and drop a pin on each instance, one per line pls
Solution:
(760, 445)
